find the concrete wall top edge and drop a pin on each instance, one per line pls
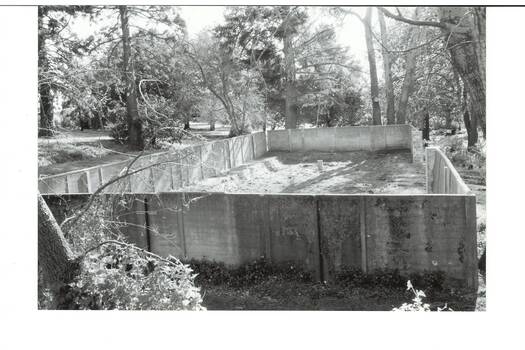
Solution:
(367, 195)
(125, 162)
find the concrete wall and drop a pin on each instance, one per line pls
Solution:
(173, 169)
(351, 138)
(442, 177)
(321, 232)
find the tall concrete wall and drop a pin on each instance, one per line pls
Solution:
(171, 171)
(442, 177)
(351, 138)
(320, 232)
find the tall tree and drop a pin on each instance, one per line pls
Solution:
(389, 86)
(374, 86)
(464, 31)
(44, 88)
(136, 139)
(414, 35)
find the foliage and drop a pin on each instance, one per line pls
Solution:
(116, 274)
(122, 277)
(417, 303)
(216, 273)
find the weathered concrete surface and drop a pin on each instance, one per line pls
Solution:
(322, 233)
(418, 151)
(259, 141)
(353, 138)
(318, 139)
(340, 233)
(293, 230)
(278, 140)
(442, 177)
(186, 166)
(422, 233)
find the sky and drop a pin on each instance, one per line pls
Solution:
(197, 18)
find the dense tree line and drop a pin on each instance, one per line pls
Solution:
(143, 76)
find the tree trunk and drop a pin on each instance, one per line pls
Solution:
(471, 123)
(374, 86)
(44, 90)
(136, 139)
(290, 92)
(55, 258)
(408, 81)
(426, 125)
(389, 87)
(467, 52)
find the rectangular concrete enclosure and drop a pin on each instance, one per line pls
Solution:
(322, 232)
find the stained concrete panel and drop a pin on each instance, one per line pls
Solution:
(278, 140)
(259, 141)
(293, 230)
(422, 233)
(162, 172)
(246, 148)
(165, 229)
(77, 182)
(214, 159)
(340, 232)
(209, 227)
(130, 213)
(56, 184)
(296, 139)
(111, 171)
(377, 137)
(398, 137)
(319, 139)
(352, 139)
(236, 151)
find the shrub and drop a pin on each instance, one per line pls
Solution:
(117, 275)
(216, 273)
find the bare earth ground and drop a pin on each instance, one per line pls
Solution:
(343, 172)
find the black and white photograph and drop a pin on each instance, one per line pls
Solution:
(261, 159)
(307, 164)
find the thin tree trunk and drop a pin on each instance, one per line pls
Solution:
(374, 86)
(44, 90)
(408, 81)
(426, 125)
(55, 258)
(389, 87)
(136, 139)
(471, 123)
(290, 93)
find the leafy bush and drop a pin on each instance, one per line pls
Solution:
(122, 277)
(216, 273)
(117, 275)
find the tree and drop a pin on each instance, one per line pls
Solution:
(389, 87)
(414, 35)
(374, 86)
(55, 258)
(464, 32)
(136, 139)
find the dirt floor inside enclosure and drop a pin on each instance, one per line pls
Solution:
(343, 172)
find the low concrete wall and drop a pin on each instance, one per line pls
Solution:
(323, 233)
(442, 177)
(173, 169)
(351, 138)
